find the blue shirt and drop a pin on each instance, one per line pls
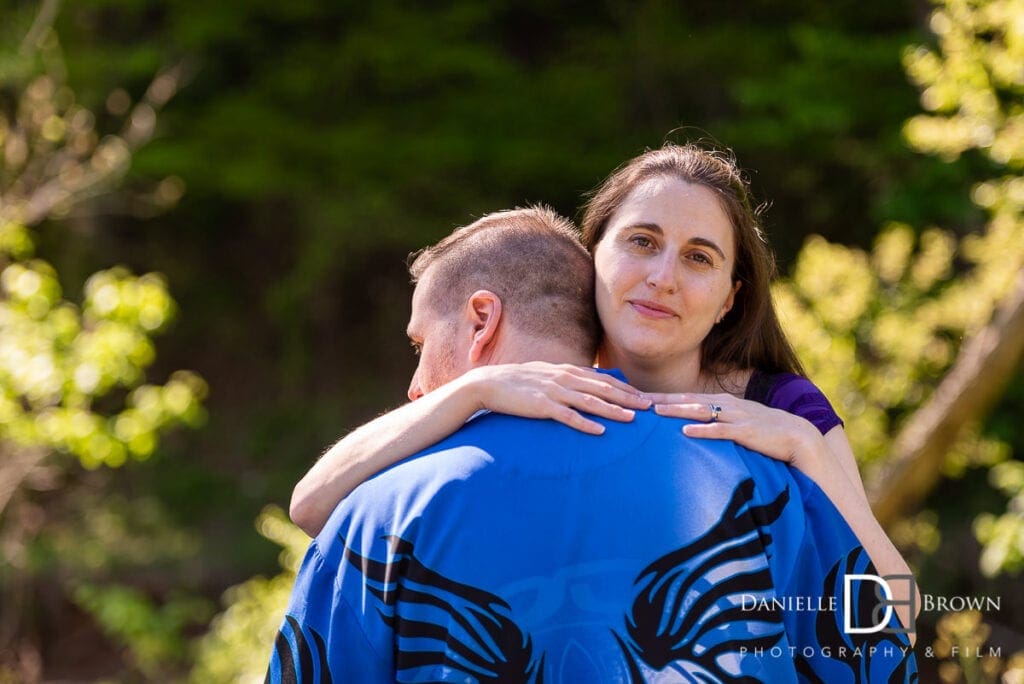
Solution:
(522, 550)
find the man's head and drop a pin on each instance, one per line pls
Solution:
(513, 286)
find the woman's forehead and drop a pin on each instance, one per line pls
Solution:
(672, 200)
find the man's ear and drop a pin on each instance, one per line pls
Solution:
(483, 310)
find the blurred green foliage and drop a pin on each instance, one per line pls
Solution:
(152, 634)
(878, 330)
(236, 647)
(962, 645)
(73, 390)
(975, 89)
(972, 87)
(1003, 535)
(57, 359)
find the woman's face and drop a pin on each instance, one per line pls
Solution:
(664, 272)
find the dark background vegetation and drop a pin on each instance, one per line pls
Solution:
(318, 143)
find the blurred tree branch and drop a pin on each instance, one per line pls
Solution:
(16, 465)
(971, 91)
(965, 396)
(43, 22)
(52, 154)
(110, 159)
(68, 176)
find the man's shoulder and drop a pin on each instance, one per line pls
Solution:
(493, 439)
(500, 453)
(768, 470)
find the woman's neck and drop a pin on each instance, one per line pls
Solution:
(675, 375)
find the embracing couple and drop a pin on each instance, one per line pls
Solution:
(611, 468)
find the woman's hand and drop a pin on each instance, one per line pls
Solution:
(770, 431)
(561, 392)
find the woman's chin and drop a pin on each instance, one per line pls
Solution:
(646, 352)
(641, 347)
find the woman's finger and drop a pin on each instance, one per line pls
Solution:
(709, 431)
(567, 416)
(742, 434)
(671, 398)
(611, 393)
(701, 412)
(606, 379)
(694, 398)
(596, 406)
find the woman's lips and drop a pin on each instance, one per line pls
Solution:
(649, 309)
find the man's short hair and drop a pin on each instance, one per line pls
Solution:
(532, 259)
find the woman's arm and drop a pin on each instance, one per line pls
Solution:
(376, 445)
(826, 459)
(830, 471)
(530, 390)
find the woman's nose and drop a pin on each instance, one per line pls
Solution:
(662, 273)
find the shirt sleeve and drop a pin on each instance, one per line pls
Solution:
(799, 396)
(834, 618)
(323, 637)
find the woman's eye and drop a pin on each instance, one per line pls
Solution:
(702, 258)
(416, 348)
(642, 241)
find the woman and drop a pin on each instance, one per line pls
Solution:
(682, 291)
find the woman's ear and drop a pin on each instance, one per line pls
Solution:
(729, 301)
(484, 312)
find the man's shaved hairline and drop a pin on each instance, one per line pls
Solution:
(531, 258)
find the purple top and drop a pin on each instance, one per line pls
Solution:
(794, 394)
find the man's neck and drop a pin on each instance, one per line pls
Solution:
(540, 350)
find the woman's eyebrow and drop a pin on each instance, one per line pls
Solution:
(709, 244)
(702, 241)
(653, 227)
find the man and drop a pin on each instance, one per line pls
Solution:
(521, 550)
